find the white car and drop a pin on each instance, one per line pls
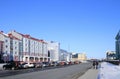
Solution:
(27, 65)
(30, 65)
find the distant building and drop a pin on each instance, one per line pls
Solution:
(118, 45)
(79, 57)
(54, 50)
(64, 55)
(110, 55)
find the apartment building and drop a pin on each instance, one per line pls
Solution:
(1, 50)
(32, 49)
(118, 45)
(15, 46)
(4, 47)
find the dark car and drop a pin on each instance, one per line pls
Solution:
(38, 65)
(46, 64)
(22, 66)
(11, 65)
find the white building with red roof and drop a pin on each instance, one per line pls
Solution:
(4, 47)
(31, 49)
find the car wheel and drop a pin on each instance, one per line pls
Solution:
(4, 68)
(13, 68)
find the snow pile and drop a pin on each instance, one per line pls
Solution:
(109, 71)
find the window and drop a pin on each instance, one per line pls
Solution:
(26, 40)
(6, 46)
(15, 47)
(15, 52)
(6, 40)
(25, 49)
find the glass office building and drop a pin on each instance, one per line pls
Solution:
(118, 45)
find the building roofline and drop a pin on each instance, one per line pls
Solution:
(30, 37)
(1, 32)
(118, 35)
(13, 37)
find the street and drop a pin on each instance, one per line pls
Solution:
(69, 72)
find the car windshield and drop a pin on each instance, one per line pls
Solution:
(24, 63)
(8, 63)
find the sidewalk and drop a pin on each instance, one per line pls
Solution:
(90, 74)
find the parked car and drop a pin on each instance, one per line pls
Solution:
(26, 65)
(62, 63)
(22, 66)
(38, 65)
(55, 63)
(10, 65)
(76, 62)
(30, 65)
(45, 64)
(71, 63)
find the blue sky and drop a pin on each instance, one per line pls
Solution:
(88, 26)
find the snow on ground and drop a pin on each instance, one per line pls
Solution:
(109, 71)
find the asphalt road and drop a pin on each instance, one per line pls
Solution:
(69, 72)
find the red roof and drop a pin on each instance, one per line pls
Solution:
(12, 37)
(29, 37)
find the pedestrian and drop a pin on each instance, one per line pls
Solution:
(96, 64)
(93, 64)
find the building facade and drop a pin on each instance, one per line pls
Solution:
(110, 55)
(118, 45)
(15, 46)
(33, 49)
(79, 57)
(64, 55)
(54, 50)
(4, 47)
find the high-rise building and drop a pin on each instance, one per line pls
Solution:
(118, 45)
